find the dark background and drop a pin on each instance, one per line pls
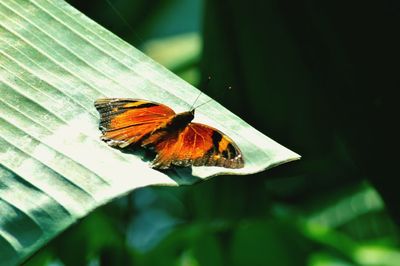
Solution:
(317, 76)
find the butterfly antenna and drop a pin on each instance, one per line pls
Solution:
(229, 88)
(203, 104)
(123, 19)
(198, 96)
(191, 107)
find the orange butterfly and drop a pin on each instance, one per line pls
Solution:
(176, 140)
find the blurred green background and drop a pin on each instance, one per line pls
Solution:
(318, 77)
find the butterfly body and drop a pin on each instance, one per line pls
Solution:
(174, 137)
(179, 121)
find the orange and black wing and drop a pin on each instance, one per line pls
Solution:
(197, 145)
(128, 121)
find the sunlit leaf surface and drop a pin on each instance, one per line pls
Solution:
(54, 62)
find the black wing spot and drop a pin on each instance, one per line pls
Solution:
(216, 138)
(144, 105)
(226, 153)
(232, 151)
(104, 106)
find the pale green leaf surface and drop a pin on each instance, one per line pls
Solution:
(54, 62)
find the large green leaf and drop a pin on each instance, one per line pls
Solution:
(54, 62)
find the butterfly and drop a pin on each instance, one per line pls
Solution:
(175, 139)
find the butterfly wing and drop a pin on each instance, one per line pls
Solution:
(128, 121)
(198, 145)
